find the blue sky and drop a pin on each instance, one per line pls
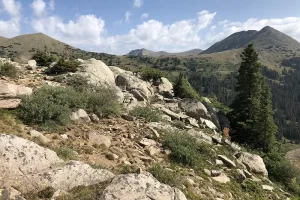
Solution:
(118, 26)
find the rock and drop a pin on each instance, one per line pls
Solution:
(94, 118)
(132, 83)
(152, 151)
(208, 123)
(219, 162)
(267, 187)
(137, 95)
(194, 108)
(140, 186)
(128, 117)
(36, 134)
(207, 172)
(223, 178)
(193, 122)
(166, 118)
(117, 71)
(64, 136)
(241, 175)
(70, 175)
(215, 173)
(173, 115)
(112, 156)
(20, 157)
(247, 174)
(58, 193)
(254, 163)
(80, 115)
(165, 88)
(32, 64)
(97, 72)
(201, 136)
(9, 103)
(155, 132)
(147, 142)
(96, 138)
(229, 163)
(8, 90)
(190, 181)
(10, 194)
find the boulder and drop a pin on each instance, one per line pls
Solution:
(173, 115)
(208, 123)
(80, 115)
(69, 175)
(267, 187)
(32, 64)
(254, 163)
(194, 108)
(222, 178)
(229, 163)
(9, 90)
(9, 103)
(147, 142)
(117, 71)
(140, 186)
(165, 88)
(97, 72)
(96, 138)
(129, 82)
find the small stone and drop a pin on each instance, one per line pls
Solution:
(199, 178)
(247, 173)
(94, 118)
(267, 187)
(154, 132)
(190, 181)
(219, 162)
(229, 163)
(147, 142)
(36, 134)
(152, 151)
(207, 172)
(241, 175)
(215, 173)
(112, 156)
(127, 117)
(64, 136)
(223, 178)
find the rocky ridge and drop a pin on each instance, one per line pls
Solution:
(29, 164)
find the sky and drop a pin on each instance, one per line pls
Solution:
(119, 26)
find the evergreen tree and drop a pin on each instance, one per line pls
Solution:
(266, 126)
(183, 89)
(251, 116)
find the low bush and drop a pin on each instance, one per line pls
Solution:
(168, 177)
(63, 66)
(78, 82)
(152, 74)
(50, 106)
(185, 150)
(65, 153)
(43, 59)
(150, 114)
(7, 69)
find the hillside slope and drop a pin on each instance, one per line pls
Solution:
(146, 52)
(24, 46)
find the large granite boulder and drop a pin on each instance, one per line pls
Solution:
(254, 163)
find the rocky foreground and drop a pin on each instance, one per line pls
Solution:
(103, 148)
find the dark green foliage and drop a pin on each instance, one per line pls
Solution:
(7, 69)
(102, 101)
(150, 114)
(43, 59)
(63, 66)
(152, 74)
(50, 106)
(187, 151)
(183, 89)
(251, 116)
(78, 82)
(168, 177)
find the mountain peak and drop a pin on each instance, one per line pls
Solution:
(146, 52)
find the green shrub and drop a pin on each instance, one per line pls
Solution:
(78, 82)
(178, 124)
(183, 89)
(7, 69)
(63, 66)
(44, 59)
(102, 101)
(187, 151)
(169, 177)
(50, 106)
(66, 153)
(150, 114)
(153, 74)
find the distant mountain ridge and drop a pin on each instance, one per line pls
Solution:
(265, 39)
(146, 52)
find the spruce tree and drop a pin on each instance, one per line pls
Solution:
(183, 89)
(252, 116)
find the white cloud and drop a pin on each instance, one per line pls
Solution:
(11, 27)
(137, 3)
(51, 5)
(144, 16)
(85, 30)
(38, 7)
(127, 16)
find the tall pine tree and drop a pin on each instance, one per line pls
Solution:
(251, 116)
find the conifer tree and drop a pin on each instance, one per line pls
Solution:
(251, 116)
(183, 89)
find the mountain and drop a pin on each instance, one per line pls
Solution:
(24, 46)
(146, 52)
(266, 39)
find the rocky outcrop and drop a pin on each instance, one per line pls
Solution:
(254, 163)
(140, 186)
(9, 94)
(165, 88)
(194, 108)
(32, 64)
